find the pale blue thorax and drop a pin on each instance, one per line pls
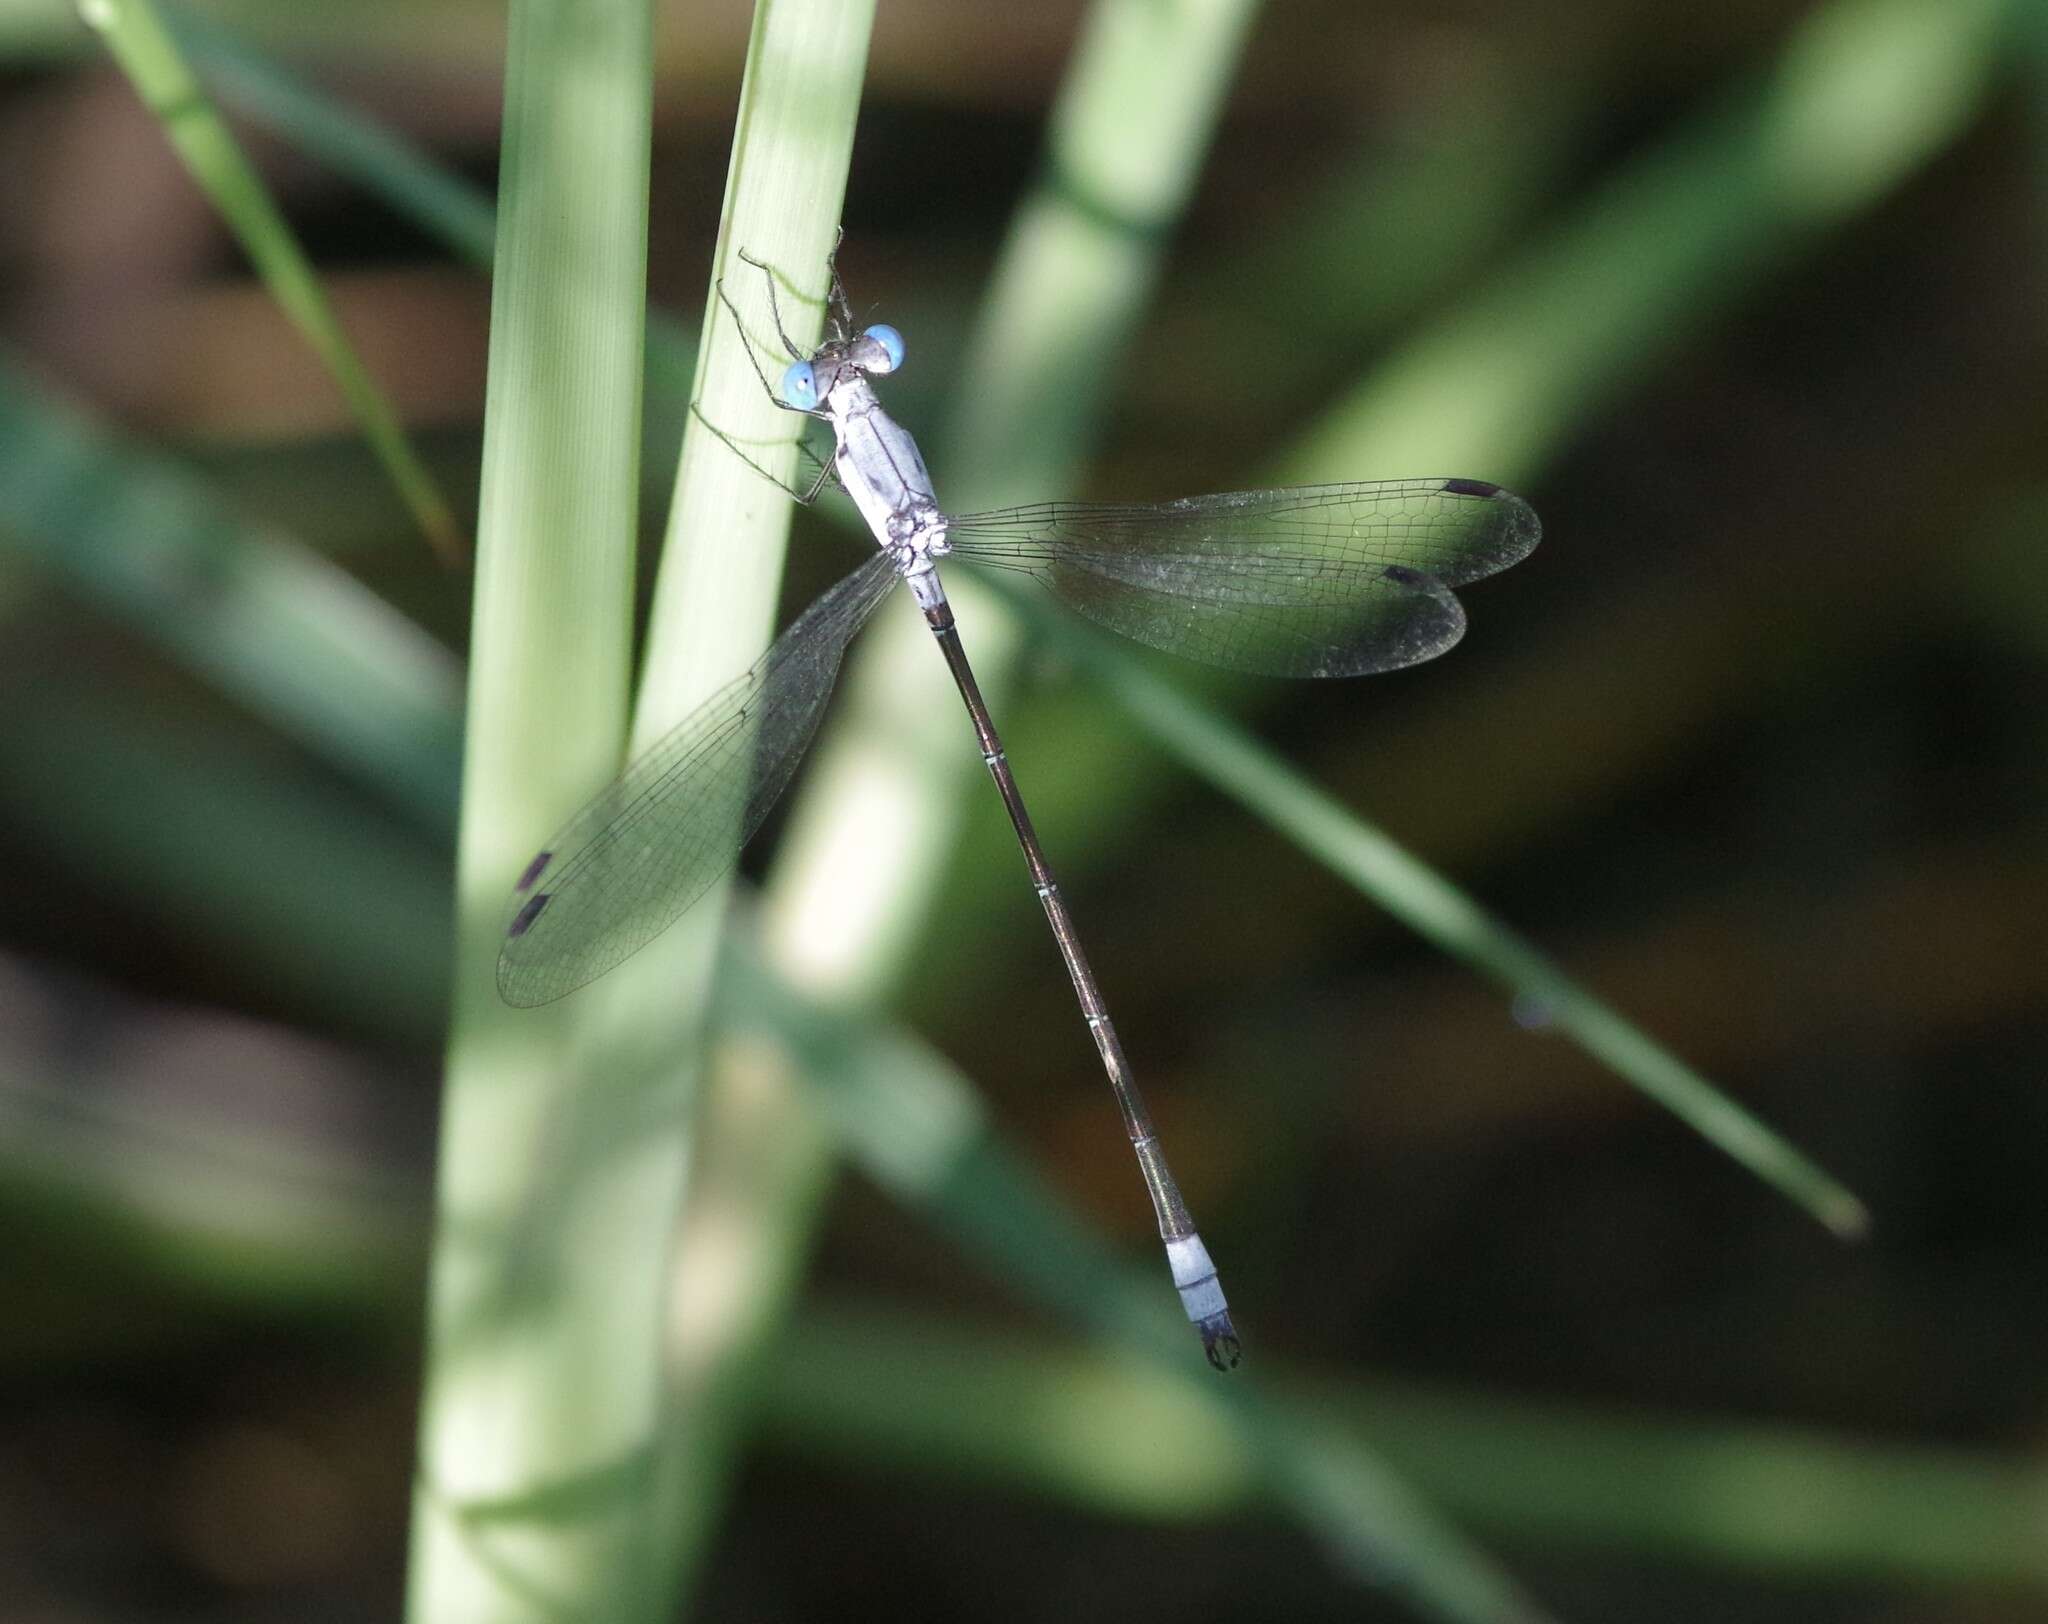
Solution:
(884, 472)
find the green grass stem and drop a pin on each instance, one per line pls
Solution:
(540, 1417)
(148, 53)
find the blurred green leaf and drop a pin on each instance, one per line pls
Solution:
(149, 55)
(1127, 1441)
(1863, 95)
(277, 627)
(250, 863)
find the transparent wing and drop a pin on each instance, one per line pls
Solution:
(626, 867)
(1314, 581)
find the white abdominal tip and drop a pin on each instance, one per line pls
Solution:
(1201, 1293)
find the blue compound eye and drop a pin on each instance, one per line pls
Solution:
(800, 385)
(892, 346)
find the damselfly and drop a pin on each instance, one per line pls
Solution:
(1313, 581)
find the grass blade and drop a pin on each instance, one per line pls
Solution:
(540, 1414)
(444, 204)
(713, 608)
(1228, 757)
(149, 55)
